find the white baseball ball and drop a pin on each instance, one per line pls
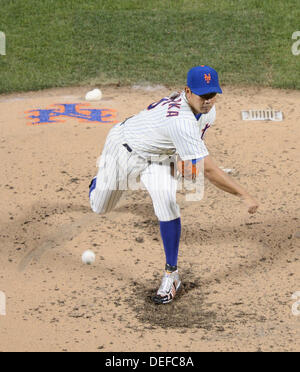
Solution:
(88, 257)
(94, 95)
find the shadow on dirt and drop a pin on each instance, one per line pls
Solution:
(41, 228)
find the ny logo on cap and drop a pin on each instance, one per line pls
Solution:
(207, 78)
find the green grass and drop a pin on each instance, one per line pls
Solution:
(53, 43)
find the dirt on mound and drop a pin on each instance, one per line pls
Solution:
(239, 272)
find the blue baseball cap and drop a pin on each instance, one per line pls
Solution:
(203, 80)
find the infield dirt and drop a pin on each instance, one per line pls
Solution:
(239, 272)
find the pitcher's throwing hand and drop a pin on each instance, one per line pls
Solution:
(251, 204)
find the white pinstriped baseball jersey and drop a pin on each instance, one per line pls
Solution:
(167, 127)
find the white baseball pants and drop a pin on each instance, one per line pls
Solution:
(119, 170)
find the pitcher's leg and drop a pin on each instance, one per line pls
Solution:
(105, 189)
(104, 193)
(103, 201)
(162, 186)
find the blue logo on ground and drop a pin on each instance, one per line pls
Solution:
(72, 110)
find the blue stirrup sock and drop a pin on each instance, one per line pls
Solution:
(171, 232)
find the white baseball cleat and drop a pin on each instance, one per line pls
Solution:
(169, 287)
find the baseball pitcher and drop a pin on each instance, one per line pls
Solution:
(153, 145)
